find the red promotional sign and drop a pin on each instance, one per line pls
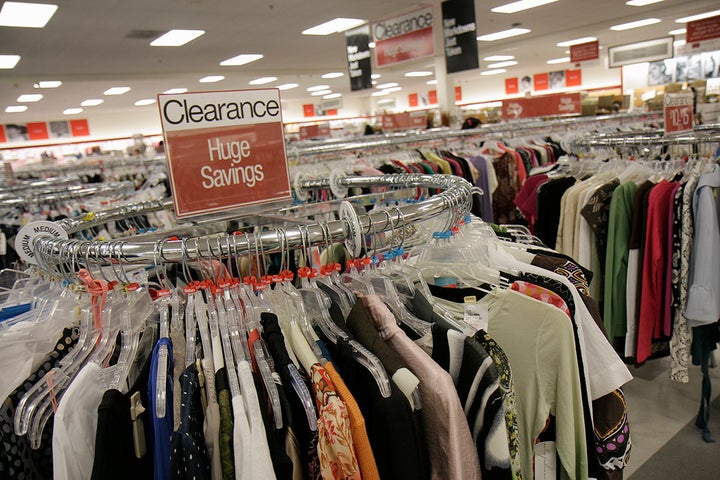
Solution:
(540, 81)
(573, 78)
(404, 38)
(37, 131)
(705, 29)
(79, 128)
(544, 106)
(584, 52)
(432, 97)
(403, 120)
(418, 120)
(224, 150)
(308, 110)
(315, 131)
(3, 139)
(678, 113)
(413, 100)
(458, 93)
(511, 86)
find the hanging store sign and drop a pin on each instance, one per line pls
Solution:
(544, 106)
(701, 30)
(225, 150)
(404, 120)
(585, 52)
(679, 112)
(460, 33)
(404, 38)
(357, 44)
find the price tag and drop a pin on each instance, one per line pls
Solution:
(679, 113)
(476, 315)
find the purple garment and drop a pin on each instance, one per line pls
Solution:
(482, 182)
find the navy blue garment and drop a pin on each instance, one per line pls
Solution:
(162, 428)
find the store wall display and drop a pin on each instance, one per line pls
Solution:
(700, 66)
(31, 131)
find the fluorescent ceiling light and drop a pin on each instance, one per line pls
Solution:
(144, 101)
(567, 52)
(699, 16)
(636, 24)
(431, 82)
(16, 108)
(371, 45)
(334, 26)
(333, 75)
(388, 85)
(48, 84)
(21, 14)
(555, 61)
(175, 90)
(374, 82)
(392, 89)
(679, 31)
(499, 58)
(317, 88)
(332, 95)
(32, 97)
(319, 93)
(117, 90)
(176, 38)
(509, 63)
(211, 79)
(577, 41)
(641, 3)
(288, 86)
(520, 6)
(485, 105)
(513, 32)
(91, 102)
(72, 111)
(262, 80)
(241, 59)
(418, 74)
(494, 72)
(380, 93)
(9, 61)
(676, 43)
(375, 76)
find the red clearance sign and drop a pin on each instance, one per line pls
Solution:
(403, 120)
(321, 130)
(584, 52)
(705, 29)
(544, 106)
(678, 113)
(224, 150)
(404, 38)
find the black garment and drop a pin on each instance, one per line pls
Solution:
(114, 442)
(549, 195)
(363, 329)
(282, 465)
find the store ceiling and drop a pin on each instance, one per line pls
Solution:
(87, 45)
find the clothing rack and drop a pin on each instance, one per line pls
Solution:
(94, 164)
(694, 138)
(63, 192)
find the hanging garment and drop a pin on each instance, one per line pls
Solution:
(162, 428)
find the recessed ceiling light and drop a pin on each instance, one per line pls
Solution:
(333, 26)
(392, 89)
(176, 38)
(679, 31)
(375, 76)
(175, 90)
(32, 97)
(317, 88)
(555, 61)
(513, 32)
(499, 58)
(509, 63)
(241, 59)
(494, 72)
(319, 93)
(144, 101)
(330, 96)
(16, 108)
(418, 74)
(676, 43)
(288, 86)
(520, 6)
(211, 79)
(388, 85)
(380, 93)
(374, 82)
(577, 41)
(91, 102)
(48, 84)
(117, 90)
(431, 82)
(9, 61)
(72, 111)
(21, 14)
(262, 80)
(371, 45)
(641, 3)
(636, 24)
(699, 16)
(333, 75)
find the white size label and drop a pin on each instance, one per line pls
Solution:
(28, 235)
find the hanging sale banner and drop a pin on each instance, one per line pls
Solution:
(584, 52)
(224, 150)
(679, 112)
(404, 38)
(544, 106)
(460, 33)
(705, 29)
(358, 55)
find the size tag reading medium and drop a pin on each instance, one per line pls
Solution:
(679, 114)
(224, 150)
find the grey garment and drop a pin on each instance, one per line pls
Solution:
(703, 302)
(178, 341)
(211, 427)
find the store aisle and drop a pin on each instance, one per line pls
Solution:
(659, 411)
